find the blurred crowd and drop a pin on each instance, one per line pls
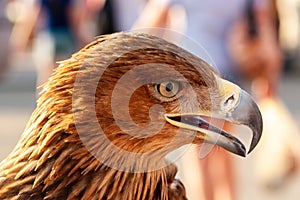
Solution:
(252, 42)
(26, 24)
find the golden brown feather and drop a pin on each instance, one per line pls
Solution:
(53, 161)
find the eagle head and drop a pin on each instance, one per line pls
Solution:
(139, 97)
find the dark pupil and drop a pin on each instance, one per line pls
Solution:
(169, 87)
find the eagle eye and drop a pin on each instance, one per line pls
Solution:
(168, 89)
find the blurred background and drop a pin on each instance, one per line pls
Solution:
(255, 43)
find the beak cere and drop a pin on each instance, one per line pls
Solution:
(242, 111)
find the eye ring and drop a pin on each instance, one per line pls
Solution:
(168, 89)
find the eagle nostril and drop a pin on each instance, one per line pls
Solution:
(230, 102)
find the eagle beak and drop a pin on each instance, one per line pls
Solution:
(238, 107)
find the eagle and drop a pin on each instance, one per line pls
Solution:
(110, 115)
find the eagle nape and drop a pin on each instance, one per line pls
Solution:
(242, 111)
